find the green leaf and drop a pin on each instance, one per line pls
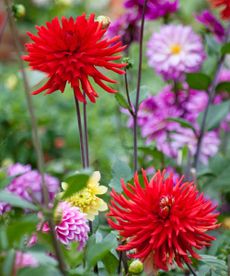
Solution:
(216, 266)
(97, 251)
(216, 114)
(111, 263)
(183, 123)
(16, 201)
(24, 225)
(76, 182)
(120, 170)
(121, 100)
(8, 263)
(144, 91)
(220, 167)
(43, 258)
(223, 87)
(198, 81)
(225, 49)
(38, 271)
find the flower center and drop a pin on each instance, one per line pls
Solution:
(166, 203)
(83, 199)
(175, 49)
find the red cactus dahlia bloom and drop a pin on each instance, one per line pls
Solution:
(226, 7)
(72, 51)
(162, 222)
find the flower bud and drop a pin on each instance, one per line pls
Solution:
(136, 267)
(104, 20)
(128, 61)
(19, 10)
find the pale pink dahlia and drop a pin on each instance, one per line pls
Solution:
(23, 260)
(72, 225)
(174, 51)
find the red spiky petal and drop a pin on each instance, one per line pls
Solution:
(161, 221)
(73, 51)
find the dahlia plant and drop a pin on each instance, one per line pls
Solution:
(159, 203)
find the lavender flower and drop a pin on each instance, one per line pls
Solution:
(25, 181)
(155, 8)
(212, 24)
(24, 260)
(174, 51)
(17, 168)
(169, 137)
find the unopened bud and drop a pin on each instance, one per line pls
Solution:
(128, 61)
(19, 10)
(136, 267)
(104, 20)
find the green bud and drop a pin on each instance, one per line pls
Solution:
(18, 10)
(136, 267)
(128, 61)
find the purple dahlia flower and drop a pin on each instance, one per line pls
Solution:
(169, 136)
(25, 181)
(127, 27)
(212, 24)
(174, 51)
(155, 8)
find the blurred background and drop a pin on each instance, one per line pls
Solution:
(109, 137)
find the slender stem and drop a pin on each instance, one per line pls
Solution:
(211, 95)
(127, 93)
(191, 269)
(4, 26)
(138, 84)
(83, 159)
(86, 134)
(35, 138)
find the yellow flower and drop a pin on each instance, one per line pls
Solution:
(87, 199)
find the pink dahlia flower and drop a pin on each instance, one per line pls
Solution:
(72, 226)
(174, 51)
(23, 260)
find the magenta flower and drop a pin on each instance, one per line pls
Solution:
(174, 51)
(155, 8)
(127, 27)
(213, 25)
(72, 225)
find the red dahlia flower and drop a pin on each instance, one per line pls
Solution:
(226, 7)
(162, 222)
(72, 51)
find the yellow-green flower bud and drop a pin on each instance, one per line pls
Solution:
(19, 10)
(136, 267)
